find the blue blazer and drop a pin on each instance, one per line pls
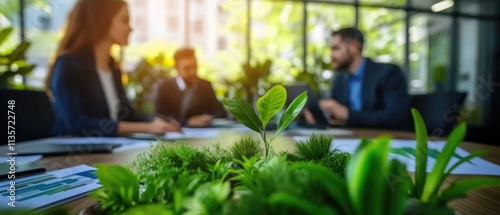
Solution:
(384, 96)
(79, 103)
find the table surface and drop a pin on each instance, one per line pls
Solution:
(484, 201)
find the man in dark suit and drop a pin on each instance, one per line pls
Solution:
(187, 98)
(365, 93)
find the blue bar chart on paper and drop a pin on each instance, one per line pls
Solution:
(48, 189)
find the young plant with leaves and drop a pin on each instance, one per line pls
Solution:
(267, 106)
(426, 188)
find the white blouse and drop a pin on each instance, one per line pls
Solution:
(108, 86)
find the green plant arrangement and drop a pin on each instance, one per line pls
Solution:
(267, 106)
(13, 62)
(365, 191)
(426, 188)
(179, 179)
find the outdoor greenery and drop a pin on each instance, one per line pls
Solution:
(12, 63)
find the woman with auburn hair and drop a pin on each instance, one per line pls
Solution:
(85, 82)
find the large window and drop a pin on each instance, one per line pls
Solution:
(474, 63)
(384, 34)
(321, 20)
(429, 53)
(277, 36)
(44, 21)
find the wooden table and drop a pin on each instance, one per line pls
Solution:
(484, 201)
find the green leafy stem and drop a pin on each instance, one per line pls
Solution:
(267, 106)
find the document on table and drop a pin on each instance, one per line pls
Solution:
(49, 189)
(193, 133)
(476, 166)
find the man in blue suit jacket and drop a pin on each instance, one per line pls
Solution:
(366, 93)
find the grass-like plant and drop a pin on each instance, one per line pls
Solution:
(179, 154)
(316, 147)
(426, 187)
(246, 147)
(267, 107)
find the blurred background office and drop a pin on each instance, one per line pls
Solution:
(245, 46)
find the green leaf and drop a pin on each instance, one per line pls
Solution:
(334, 185)
(459, 189)
(243, 112)
(366, 176)
(422, 150)
(396, 188)
(19, 51)
(364, 142)
(436, 177)
(400, 151)
(4, 34)
(291, 112)
(119, 180)
(156, 209)
(472, 155)
(271, 103)
(300, 203)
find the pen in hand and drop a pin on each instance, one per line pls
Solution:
(174, 123)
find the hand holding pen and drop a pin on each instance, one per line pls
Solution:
(171, 124)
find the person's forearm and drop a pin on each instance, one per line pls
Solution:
(125, 128)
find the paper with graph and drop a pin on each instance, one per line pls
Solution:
(49, 189)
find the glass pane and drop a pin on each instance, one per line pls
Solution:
(322, 19)
(230, 39)
(483, 7)
(277, 35)
(44, 23)
(442, 6)
(429, 53)
(383, 2)
(475, 63)
(384, 34)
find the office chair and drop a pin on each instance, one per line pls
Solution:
(34, 117)
(439, 110)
